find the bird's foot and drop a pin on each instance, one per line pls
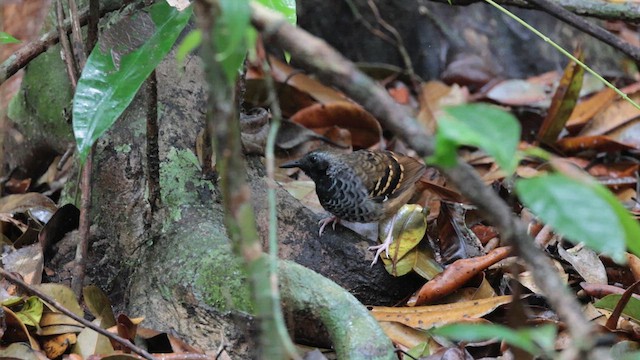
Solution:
(382, 247)
(388, 240)
(326, 221)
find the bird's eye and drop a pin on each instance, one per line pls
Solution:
(313, 159)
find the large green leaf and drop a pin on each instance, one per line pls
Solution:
(532, 340)
(484, 126)
(582, 211)
(111, 79)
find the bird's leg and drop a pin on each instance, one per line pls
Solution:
(326, 221)
(385, 244)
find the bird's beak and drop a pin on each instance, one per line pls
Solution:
(291, 164)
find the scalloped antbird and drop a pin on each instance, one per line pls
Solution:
(362, 186)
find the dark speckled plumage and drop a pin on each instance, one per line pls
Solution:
(362, 186)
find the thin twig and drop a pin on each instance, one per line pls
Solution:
(269, 150)
(153, 157)
(399, 42)
(92, 24)
(51, 301)
(76, 35)
(396, 41)
(84, 226)
(67, 54)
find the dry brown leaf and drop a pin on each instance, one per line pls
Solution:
(563, 101)
(586, 110)
(56, 345)
(455, 275)
(365, 129)
(426, 317)
(286, 74)
(599, 143)
(615, 115)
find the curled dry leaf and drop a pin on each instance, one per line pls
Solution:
(404, 335)
(290, 98)
(16, 331)
(599, 143)
(35, 204)
(291, 135)
(426, 317)
(584, 111)
(615, 115)
(63, 295)
(628, 134)
(518, 92)
(90, 342)
(56, 345)
(602, 290)
(526, 278)
(455, 275)
(22, 351)
(435, 95)
(365, 129)
(28, 261)
(455, 239)
(586, 262)
(563, 102)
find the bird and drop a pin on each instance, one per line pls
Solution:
(362, 186)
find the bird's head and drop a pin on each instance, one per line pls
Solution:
(314, 164)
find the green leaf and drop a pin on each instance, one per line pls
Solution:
(583, 212)
(531, 340)
(230, 36)
(8, 39)
(188, 44)
(609, 302)
(108, 84)
(484, 126)
(419, 351)
(31, 312)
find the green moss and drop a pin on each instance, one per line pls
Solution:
(44, 100)
(180, 176)
(201, 259)
(138, 127)
(199, 252)
(124, 148)
(222, 280)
